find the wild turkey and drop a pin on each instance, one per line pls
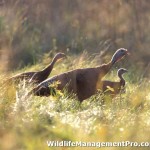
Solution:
(83, 82)
(113, 88)
(37, 76)
(42, 75)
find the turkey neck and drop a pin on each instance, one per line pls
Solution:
(122, 81)
(49, 68)
(104, 69)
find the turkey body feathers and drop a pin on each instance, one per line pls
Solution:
(83, 82)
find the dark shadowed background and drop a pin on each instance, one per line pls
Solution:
(28, 29)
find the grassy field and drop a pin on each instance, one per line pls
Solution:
(88, 32)
(30, 123)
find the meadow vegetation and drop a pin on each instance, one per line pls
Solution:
(32, 32)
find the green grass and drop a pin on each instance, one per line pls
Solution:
(29, 123)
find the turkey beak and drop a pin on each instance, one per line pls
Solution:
(64, 57)
(127, 52)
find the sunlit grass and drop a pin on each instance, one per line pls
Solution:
(29, 29)
(29, 123)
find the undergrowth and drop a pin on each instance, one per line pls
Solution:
(29, 123)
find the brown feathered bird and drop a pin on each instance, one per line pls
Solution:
(83, 82)
(37, 76)
(113, 88)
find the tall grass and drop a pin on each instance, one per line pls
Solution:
(86, 31)
(29, 29)
(29, 123)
